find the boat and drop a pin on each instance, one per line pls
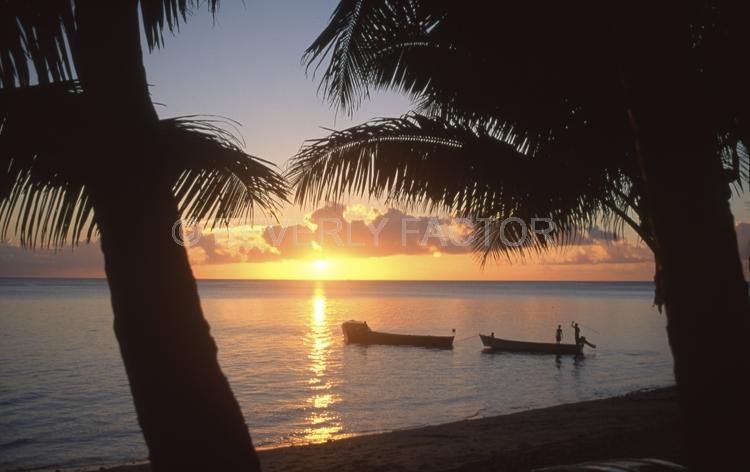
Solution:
(498, 344)
(357, 332)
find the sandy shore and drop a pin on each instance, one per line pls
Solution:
(642, 424)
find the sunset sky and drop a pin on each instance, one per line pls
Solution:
(245, 65)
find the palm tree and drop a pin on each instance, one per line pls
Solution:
(83, 151)
(591, 94)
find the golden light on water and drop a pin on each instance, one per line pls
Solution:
(322, 423)
(319, 309)
(319, 432)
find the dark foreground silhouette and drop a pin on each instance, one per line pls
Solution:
(644, 424)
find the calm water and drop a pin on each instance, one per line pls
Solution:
(64, 399)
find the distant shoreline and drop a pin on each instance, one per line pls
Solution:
(638, 424)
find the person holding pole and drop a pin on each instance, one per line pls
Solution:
(580, 339)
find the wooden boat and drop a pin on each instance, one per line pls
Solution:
(498, 344)
(357, 332)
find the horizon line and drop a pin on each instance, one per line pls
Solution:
(341, 280)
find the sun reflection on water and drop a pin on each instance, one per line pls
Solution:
(322, 423)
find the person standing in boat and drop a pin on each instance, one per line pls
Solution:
(580, 340)
(559, 334)
(577, 333)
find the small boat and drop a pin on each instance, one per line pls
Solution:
(357, 332)
(498, 344)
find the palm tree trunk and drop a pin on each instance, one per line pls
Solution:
(186, 409)
(706, 296)
(189, 417)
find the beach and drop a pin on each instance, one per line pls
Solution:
(640, 424)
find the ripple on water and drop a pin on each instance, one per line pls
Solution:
(64, 396)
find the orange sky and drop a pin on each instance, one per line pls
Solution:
(406, 247)
(447, 267)
(297, 248)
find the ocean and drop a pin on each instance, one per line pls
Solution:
(65, 402)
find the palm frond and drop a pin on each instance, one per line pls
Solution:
(384, 158)
(43, 198)
(218, 181)
(45, 169)
(478, 75)
(45, 210)
(159, 15)
(357, 30)
(36, 33)
(422, 162)
(36, 36)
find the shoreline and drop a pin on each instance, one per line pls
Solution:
(638, 424)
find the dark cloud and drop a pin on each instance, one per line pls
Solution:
(331, 211)
(254, 254)
(597, 234)
(85, 260)
(593, 236)
(213, 253)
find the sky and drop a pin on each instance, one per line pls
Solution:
(245, 64)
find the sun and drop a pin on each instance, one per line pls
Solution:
(320, 265)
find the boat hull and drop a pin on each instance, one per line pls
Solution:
(357, 334)
(499, 344)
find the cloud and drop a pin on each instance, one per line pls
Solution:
(597, 234)
(597, 251)
(328, 233)
(337, 231)
(85, 260)
(207, 251)
(231, 247)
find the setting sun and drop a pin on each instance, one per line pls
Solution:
(320, 265)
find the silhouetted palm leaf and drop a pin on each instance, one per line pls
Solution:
(431, 164)
(517, 69)
(360, 31)
(159, 15)
(39, 200)
(220, 182)
(40, 36)
(35, 35)
(43, 198)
